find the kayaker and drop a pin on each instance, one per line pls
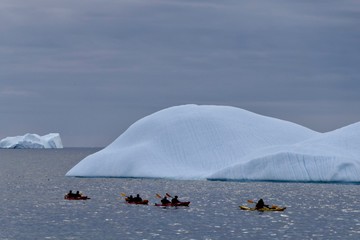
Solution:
(77, 194)
(137, 198)
(260, 204)
(175, 200)
(130, 199)
(70, 194)
(165, 200)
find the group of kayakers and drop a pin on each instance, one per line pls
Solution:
(70, 194)
(174, 200)
(260, 205)
(131, 199)
(75, 196)
(164, 200)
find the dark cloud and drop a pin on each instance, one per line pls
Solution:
(89, 69)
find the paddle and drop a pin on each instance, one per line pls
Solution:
(123, 194)
(167, 195)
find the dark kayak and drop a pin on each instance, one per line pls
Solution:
(143, 202)
(264, 209)
(184, 204)
(67, 197)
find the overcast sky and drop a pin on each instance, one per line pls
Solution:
(88, 69)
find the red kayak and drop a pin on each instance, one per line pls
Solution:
(143, 202)
(67, 197)
(184, 204)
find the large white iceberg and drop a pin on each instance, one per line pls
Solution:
(226, 143)
(51, 140)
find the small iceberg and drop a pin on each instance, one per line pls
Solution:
(30, 141)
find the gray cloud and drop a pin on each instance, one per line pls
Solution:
(89, 69)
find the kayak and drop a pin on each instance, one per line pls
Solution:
(265, 209)
(183, 204)
(67, 197)
(143, 202)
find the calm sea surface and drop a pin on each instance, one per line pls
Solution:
(32, 205)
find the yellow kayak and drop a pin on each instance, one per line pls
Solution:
(265, 209)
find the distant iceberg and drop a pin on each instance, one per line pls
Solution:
(226, 143)
(51, 140)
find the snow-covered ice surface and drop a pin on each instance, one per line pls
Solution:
(226, 143)
(51, 140)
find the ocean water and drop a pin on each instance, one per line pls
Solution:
(32, 205)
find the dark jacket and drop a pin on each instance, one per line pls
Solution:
(260, 204)
(165, 200)
(137, 198)
(175, 200)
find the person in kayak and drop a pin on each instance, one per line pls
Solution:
(130, 199)
(260, 204)
(70, 194)
(77, 194)
(165, 200)
(137, 198)
(175, 200)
